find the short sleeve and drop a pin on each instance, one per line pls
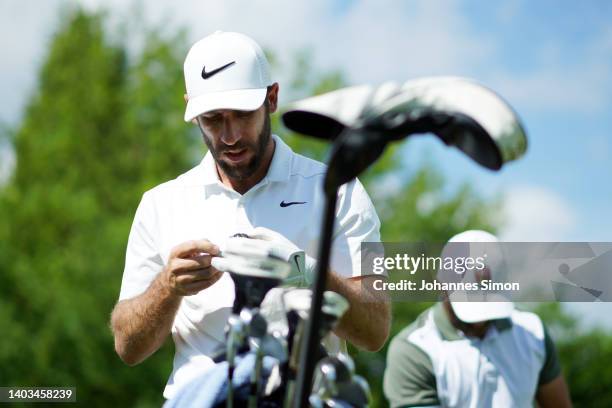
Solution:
(551, 368)
(142, 259)
(356, 222)
(409, 380)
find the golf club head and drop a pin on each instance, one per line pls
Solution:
(256, 324)
(235, 331)
(356, 392)
(235, 337)
(334, 306)
(336, 370)
(336, 116)
(273, 310)
(298, 300)
(326, 116)
(297, 304)
(316, 401)
(275, 345)
(253, 278)
(461, 112)
(333, 374)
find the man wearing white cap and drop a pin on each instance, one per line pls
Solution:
(250, 182)
(462, 353)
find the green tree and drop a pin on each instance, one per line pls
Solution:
(99, 130)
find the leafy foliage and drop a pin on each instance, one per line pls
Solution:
(97, 133)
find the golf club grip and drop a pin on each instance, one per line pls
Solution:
(310, 341)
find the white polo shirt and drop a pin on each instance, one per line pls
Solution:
(197, 205)
(433, 364)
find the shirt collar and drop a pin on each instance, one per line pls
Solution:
(280, 167)
(279, 170)
(450, 332)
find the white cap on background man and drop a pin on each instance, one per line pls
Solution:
(225, 70)
(465, 304)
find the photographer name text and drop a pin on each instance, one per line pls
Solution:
(408, 285)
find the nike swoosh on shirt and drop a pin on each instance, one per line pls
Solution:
(297, 265)
(284, 204)
(209, 74)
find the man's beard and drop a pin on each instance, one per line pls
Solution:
(243, 171)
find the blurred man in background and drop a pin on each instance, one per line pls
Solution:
(474, 354)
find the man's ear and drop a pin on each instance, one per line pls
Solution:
(194, 121)
(273, 97)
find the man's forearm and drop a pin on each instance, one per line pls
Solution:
(554, 394)
(141, 324)
(368, 321)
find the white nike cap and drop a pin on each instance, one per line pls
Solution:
(225, 70)
(465, 304)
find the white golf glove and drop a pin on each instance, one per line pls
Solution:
(264, 267)
(264, 244)
(302, 265)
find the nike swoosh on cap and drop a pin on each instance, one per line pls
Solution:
(284, 204)
(207, 75)
(297, 265)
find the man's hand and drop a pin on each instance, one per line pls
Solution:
(142, 324)
(188, 270)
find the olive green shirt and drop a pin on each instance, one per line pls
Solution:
(431, 363)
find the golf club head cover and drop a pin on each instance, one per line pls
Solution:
(462, 112)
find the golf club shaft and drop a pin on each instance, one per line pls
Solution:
(230, 387)
(231, 355)
(311, 340)
(289, 393)
(255, 379)
(293, 364)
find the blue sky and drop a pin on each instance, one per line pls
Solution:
(552, 60)
(564, 50)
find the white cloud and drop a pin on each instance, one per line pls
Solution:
(25, 29)
(383, 40)
(565, 79)
(372, 41)
(555, 88)
(536, 213)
